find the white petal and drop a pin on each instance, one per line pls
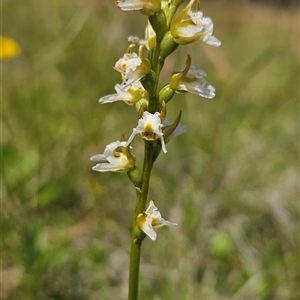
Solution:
(114, 97)
(130, 80)
(106, 167)
(151, 208)
(163, 145)
(98, 158)
(149, 231)
(131, 137)
(126, 6)
(168, 223)
(213, 41)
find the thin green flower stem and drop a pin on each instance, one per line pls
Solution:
(134, 270)
(140, 207)
(154, 56)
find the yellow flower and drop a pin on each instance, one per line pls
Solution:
(9, 48)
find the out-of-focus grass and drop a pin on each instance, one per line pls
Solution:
(230, 181)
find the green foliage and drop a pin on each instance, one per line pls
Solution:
(230, 183)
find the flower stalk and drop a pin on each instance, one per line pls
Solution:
(139, 88)
(137, 234)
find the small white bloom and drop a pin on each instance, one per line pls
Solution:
(190, 26)
(133, 67)
(135, 93)
(150, 128)
(112, 160)
(194, 82)
(152, 220)
(128, 66)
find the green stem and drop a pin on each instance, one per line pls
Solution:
(154, 64)
(140, 207)
(134, 270)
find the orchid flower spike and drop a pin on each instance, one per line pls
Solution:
(151, 220)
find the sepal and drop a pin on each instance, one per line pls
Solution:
(178, 77)
(171, 130)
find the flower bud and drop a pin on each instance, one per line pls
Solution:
(135, 176)
(159, 24)
(166, 94)
(168, 45)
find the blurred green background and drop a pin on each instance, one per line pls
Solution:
(230, 181)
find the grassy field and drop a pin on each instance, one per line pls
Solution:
(230, 182)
